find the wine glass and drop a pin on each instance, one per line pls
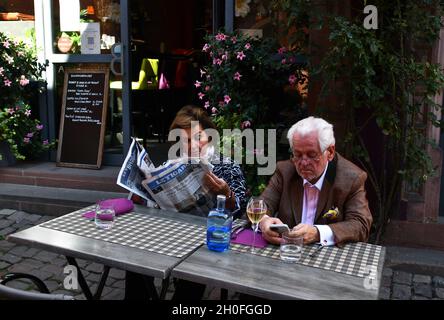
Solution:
(256, 208)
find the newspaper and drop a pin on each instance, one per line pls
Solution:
(176, 185)
(132, 173)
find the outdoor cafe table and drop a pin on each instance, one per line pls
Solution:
(271, 278)
(147, 241)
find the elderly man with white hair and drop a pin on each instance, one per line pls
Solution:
(317, 193)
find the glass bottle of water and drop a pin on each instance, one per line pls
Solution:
(219, 226)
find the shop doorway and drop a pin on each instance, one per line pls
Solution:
(165, 56)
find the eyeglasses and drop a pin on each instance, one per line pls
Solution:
(309, 158)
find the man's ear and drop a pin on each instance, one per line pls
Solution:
(331, 152)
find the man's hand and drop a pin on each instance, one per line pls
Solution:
(267, 234)
(216, 185)
(309, 232)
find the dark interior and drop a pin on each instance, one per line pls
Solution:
(173, 32)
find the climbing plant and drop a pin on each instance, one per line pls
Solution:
(389, 82)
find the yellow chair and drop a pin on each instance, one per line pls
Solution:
(148, 80)
(148, 76)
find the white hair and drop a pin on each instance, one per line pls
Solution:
(308, 125)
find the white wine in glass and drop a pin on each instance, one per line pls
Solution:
(256, 209)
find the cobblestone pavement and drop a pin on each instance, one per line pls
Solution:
(402, 285)
(49, 267)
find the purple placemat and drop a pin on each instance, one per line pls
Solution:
(246, 237)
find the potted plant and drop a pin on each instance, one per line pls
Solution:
(20, 131)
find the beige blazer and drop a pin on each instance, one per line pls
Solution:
(343, 187)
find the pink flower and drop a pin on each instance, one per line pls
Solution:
(207, 104)
(246, 124)
(11, 111)
(284, 61)
(217, 61)
(237, 76)
(213, 110)
(9, 59)
(6, 44)
(282, 50)
(26, 140)
(233, 39)
(1, 71)
(29, 135)
(28, 113)
(7, 83)
(247, 46)
(23, 81)
(227, 99)
(225, 56)
(45, 142)
(197, 84)
(206, 47)
(201, 95)
(292, 79)
(202, 72)
(221, 37)
(207, 88)
(39, 127)
(241, 55)
(20, 54)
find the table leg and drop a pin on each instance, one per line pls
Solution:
(149, 283)
(165, 285)
(102, 282)
(81, 279)
(84, 285)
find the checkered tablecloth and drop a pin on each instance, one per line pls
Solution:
(155, 234)
(356, 259)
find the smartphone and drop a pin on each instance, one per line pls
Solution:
(280, 228)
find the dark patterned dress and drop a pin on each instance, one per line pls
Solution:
(227, 169)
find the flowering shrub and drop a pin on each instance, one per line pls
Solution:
(242, 76)
(243, 83)
(21, 132)
(19, 66)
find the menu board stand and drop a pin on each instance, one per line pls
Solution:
(83, 118)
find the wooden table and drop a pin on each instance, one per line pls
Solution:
(272, 278)
(106, 253)
(242, 272)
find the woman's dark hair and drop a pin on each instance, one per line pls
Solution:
(192, 113)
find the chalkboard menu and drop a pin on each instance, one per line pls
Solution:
(83, 117)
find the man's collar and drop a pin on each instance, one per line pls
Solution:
(320, 181)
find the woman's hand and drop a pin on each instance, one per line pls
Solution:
(216, 185)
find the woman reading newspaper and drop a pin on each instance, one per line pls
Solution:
(193, 124)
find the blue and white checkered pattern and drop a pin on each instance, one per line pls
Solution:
(155, 234)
